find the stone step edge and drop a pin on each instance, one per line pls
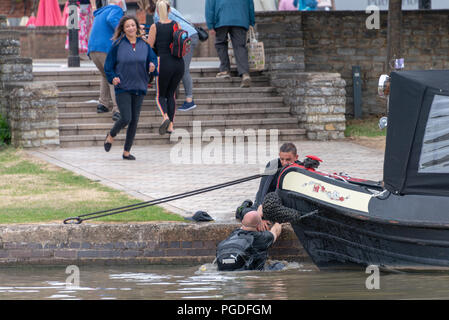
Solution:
(143, 136)
(94, 70)
(193, 113)
(197, 101)
(64, 83)
(79, 93)
(209, 123)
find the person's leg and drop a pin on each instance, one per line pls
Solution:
(171, 91)
(187, 79)
(104, 97)
(162, 82)
(136, 104)
(124, 105)
(107, 91)
(221, 45)
(238, 39)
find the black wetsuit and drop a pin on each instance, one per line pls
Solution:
(171, 70)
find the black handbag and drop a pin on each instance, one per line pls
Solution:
(203, 35)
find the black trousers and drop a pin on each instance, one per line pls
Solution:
(171, 71)
(129, 105)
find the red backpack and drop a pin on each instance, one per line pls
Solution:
(181, 42)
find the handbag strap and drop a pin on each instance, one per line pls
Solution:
(251, 35)
(188, 22)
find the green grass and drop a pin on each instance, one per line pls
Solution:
(367, 127)
(33, 191)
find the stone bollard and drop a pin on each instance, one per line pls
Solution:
(33, 114)
(29, 107)
(318, 100)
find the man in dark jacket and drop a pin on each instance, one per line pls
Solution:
(231, 17)
(288, 154)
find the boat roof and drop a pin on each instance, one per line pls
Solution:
(417, 149)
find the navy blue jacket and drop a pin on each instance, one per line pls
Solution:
(132, 67)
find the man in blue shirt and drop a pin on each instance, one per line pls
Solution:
(231, 17)
(106, 20)
(187, 82)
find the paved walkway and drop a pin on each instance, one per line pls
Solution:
(154, 175)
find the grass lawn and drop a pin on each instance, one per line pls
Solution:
(33, 191)
(366, 132)
(367, 127)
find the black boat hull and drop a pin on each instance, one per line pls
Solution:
(339, 237)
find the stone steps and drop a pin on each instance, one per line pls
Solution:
(206, 82)
(199, 93)
(197, 114)
(153, 126)
(154, 138)
(94, 74)
(222, 108)
(202, 104)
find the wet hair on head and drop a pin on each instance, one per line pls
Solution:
(289, 147)
(120, 30)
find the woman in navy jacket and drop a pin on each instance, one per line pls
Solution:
(127, 67)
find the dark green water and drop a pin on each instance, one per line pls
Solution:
(187, 282)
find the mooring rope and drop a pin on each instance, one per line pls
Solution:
(108, 212)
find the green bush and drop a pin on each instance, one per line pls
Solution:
(5, 132)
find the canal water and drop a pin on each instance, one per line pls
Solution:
(296, 281)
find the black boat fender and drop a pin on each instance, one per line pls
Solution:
(275, 211)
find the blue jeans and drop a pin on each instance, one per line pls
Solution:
(187, 79)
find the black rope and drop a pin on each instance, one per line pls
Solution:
(108, 212)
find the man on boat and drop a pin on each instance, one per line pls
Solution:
(247, 248)
(288, 154)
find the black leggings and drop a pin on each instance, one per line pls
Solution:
(129, 105)
(171, 71)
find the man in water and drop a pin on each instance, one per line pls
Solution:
(288, 154)
(247, 248)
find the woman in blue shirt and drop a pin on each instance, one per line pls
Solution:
(127, 67)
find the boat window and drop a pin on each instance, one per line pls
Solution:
(435, 150)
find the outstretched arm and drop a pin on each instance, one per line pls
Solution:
(276, 230)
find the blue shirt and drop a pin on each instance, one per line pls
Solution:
(131, 66)
(106, 20)
(176, 16)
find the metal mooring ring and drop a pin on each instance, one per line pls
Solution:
(75, 220)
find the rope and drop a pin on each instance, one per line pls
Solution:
(104, 213)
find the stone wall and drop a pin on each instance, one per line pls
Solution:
(317, 99)
(29, 107)
(156, 243)
(336, 41)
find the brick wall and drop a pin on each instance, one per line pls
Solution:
(157, 243)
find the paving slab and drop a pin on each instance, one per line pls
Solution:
(157, 172)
